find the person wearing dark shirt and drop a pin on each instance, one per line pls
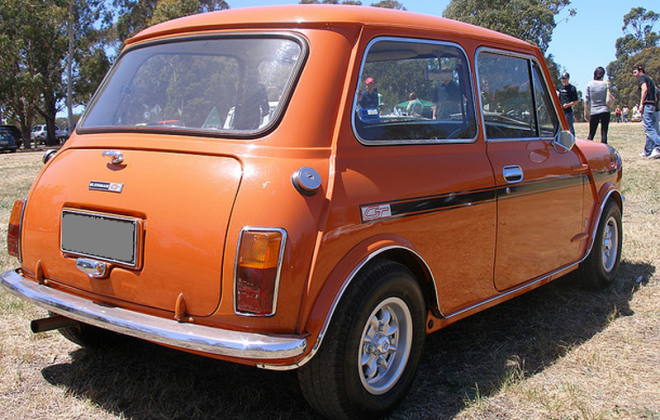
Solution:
(253, 107)
(649, 106)
(446, 97)
(569, 98)
(369, 96)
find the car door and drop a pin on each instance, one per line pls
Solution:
(539, 186)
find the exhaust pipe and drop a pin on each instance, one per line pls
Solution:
(52, 323)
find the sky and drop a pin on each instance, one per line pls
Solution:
(579, 43)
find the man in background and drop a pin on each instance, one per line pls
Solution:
(649, 106)
(568, 97)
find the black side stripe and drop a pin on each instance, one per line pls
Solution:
(455, 200)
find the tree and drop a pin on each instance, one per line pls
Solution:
(529, 20)
(34, 37)
(639, 45)
(36, 28)
(135, 15)
(87, 60)
(389, 4)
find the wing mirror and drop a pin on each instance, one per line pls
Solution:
(564, 142)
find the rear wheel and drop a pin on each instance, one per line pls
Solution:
(599, 269)
(370, 354)
(92, 337)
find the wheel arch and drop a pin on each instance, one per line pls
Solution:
(607, 193)
(393, 249)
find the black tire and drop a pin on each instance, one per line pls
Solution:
(92, 337)
(599, 269)
(340, 381)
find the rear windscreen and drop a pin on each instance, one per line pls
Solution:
(233, 85)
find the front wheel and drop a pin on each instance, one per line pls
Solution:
(599, 269)
(369, 357)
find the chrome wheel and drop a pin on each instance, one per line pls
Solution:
(385, 345)
(610, 244)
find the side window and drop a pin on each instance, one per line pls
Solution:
(548, 121)
(413, 90)
(506, 96)
(514, 100)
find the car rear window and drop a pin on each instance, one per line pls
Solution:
(232, 85)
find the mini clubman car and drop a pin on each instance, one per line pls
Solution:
(259, 186)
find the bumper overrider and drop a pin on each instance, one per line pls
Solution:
(260, 348)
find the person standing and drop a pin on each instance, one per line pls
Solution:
(649, 108)
(369, 96)
(618, 113)
(568, 98)
(595, 107)
(626, 113)
(415, 107)
(446, 96)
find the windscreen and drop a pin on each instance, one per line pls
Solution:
(231, 85)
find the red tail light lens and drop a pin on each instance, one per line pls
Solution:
(14, 231)
(258, 265)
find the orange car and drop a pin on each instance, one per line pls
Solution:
(303, 218)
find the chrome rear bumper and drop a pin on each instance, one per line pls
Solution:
(246, 346)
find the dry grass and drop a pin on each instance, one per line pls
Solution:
(555, 353)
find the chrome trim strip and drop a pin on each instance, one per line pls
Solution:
(152, 328)
(279, 268)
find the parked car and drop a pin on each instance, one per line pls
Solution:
(7, 140)
(334, 237)
(39, 133)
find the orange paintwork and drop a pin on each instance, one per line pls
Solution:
(194, 194)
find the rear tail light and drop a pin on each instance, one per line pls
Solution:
(14, 231)
(258, 265)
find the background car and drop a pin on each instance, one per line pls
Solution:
(18, 136)
(7, 141)
(39, 133)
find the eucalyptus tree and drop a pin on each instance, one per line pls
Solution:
(640, 44)
(529, 20)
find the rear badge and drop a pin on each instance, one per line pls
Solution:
(105, 186)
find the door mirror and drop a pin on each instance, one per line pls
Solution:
(564, 142)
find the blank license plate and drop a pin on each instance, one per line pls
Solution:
(100, 236)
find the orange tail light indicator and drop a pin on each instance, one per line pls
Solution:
(14, 230)
(257, 273)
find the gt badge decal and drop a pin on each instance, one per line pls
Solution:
(380, 211)
(105, 186)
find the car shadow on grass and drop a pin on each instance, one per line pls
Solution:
(141, 381)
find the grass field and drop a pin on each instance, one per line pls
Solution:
(555, 353)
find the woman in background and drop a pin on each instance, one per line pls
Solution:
(596, 110)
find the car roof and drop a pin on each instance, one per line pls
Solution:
(303, 16)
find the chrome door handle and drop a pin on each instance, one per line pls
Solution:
(513, 174)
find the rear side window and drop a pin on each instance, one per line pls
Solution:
(515, 101)
(414, 91)
(233, 85)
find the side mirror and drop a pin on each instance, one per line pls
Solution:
(564, 142)
(48, 155)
